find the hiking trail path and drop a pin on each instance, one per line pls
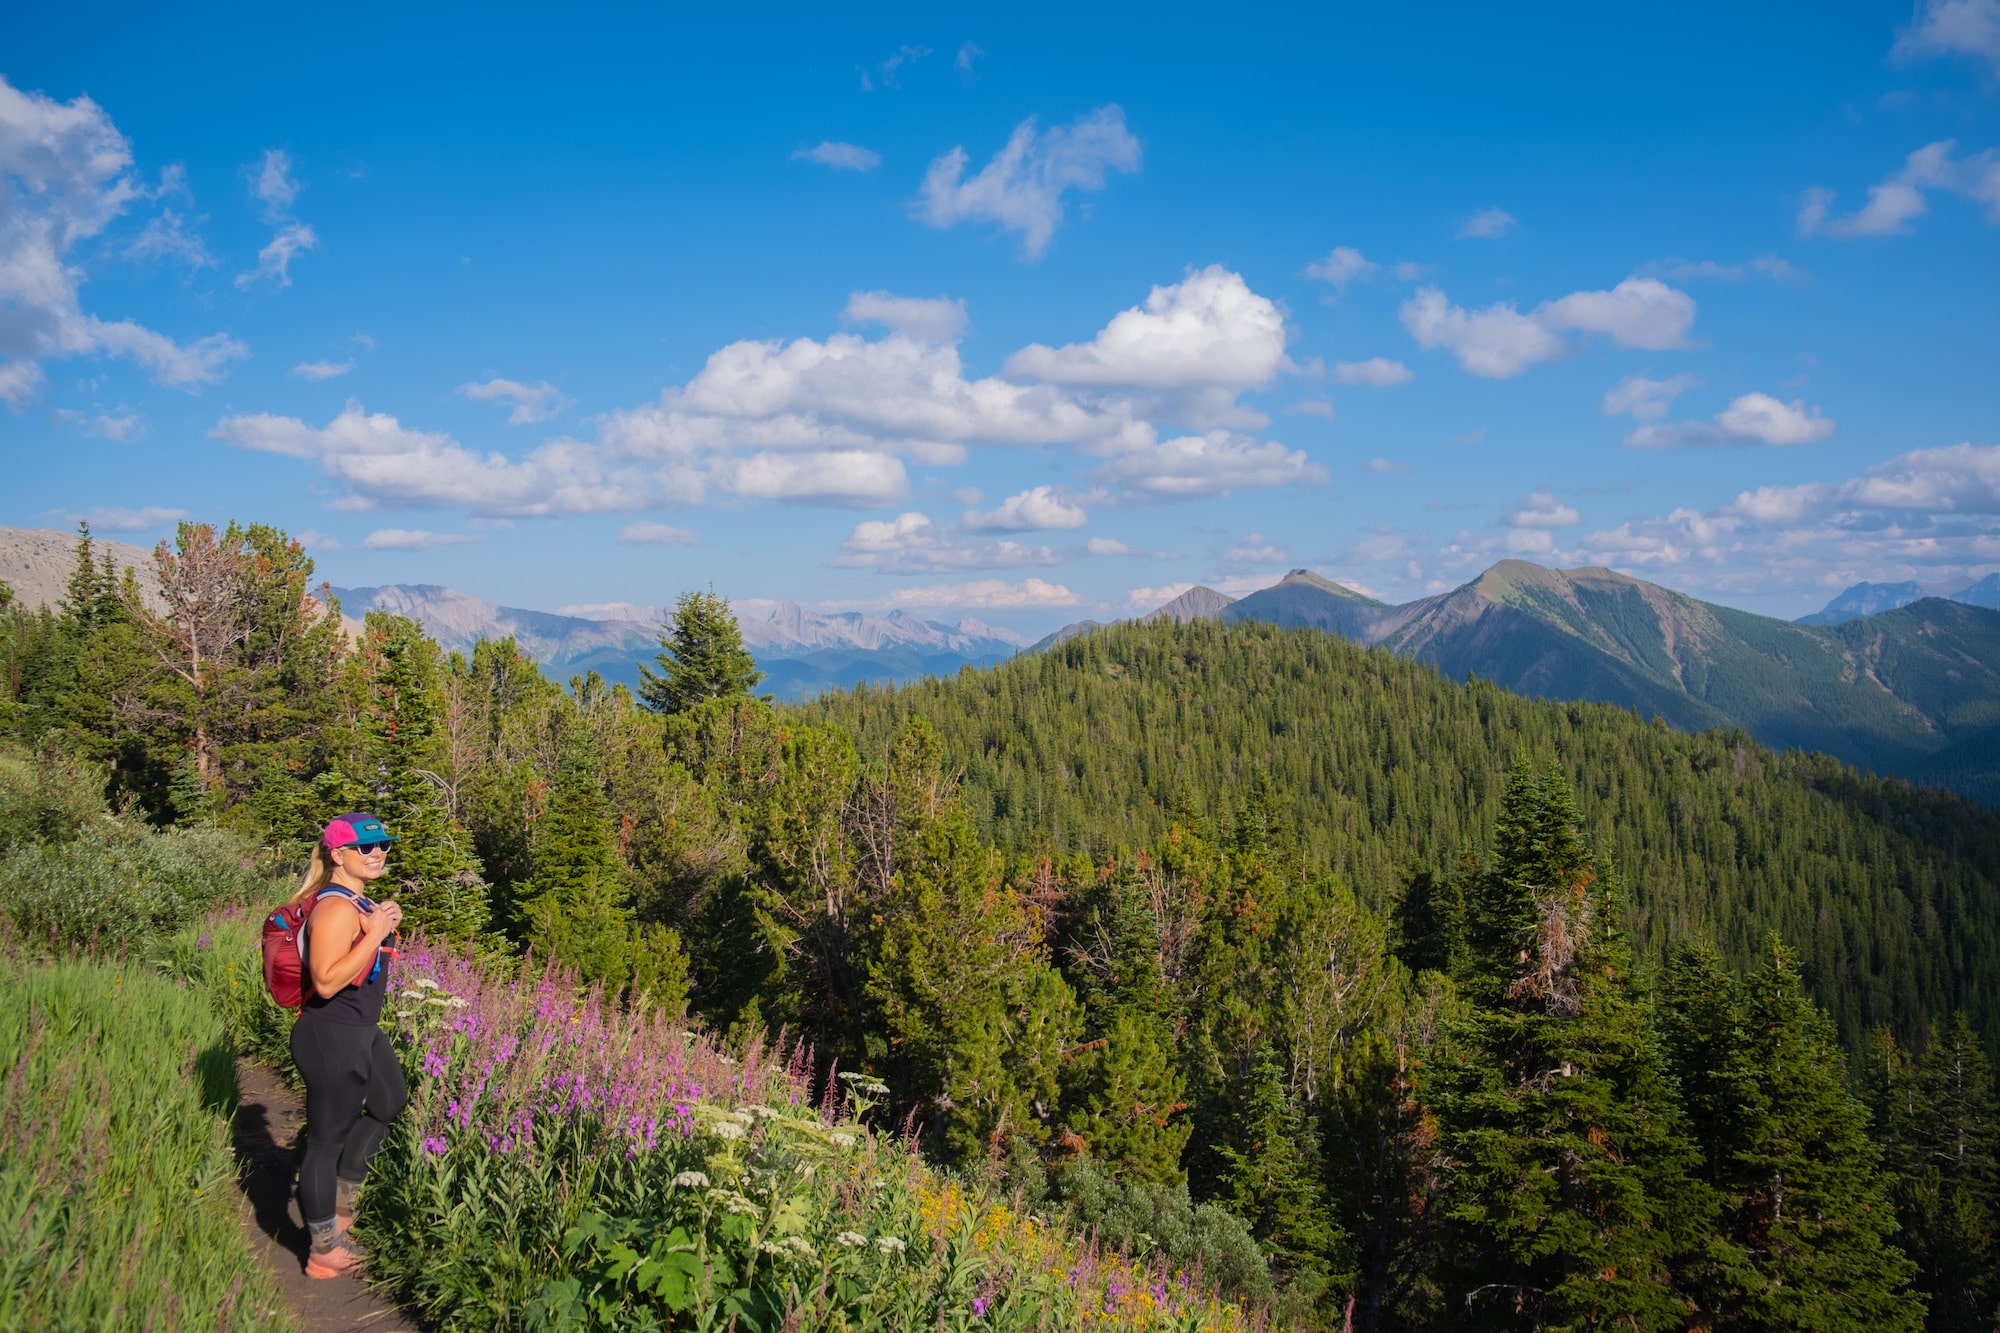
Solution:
(269, 1118)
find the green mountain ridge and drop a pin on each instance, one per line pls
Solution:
(1913, 692)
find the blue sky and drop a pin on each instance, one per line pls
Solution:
(1026, 314)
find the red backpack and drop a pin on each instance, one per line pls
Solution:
(285, 948)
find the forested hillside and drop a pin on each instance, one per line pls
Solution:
(1379, 1000)
(1891, 894)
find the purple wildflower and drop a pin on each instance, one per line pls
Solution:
(435, 1146)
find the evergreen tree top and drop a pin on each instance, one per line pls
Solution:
(701, 658)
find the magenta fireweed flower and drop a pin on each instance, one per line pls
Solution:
(435, 1147)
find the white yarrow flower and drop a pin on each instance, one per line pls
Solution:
(726, 1129)
(851, 1239)
(693, 1180)
(891, 1244)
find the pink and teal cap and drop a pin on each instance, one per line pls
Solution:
(347, 830)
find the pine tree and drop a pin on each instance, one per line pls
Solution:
(1273, 1180)
(1804, 1196)
(432, 865)
(702, 657)
(1129, 1106)
(576, 914)
(1567, 1177)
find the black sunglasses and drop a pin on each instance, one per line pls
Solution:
(366, 848)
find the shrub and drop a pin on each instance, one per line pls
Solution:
(564, 1165)
(46, 796)
(220, 959)
(1146, 1220)
(120, 884)
(117, 1185)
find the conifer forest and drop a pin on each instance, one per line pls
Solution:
(1379, 1000)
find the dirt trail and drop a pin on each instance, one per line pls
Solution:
(269, 1118)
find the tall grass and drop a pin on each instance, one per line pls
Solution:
(118, 1204)
(563, 1165)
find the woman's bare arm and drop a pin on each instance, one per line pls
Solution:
(334, 968)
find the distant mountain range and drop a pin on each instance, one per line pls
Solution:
(1913, 690)
(1868, 599)
(800, 652)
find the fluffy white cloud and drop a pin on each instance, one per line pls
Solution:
(656, 534)
(1749, 418)
(1378, 371)
(987, 595)
(316, 371)
(1539, 509)
(383, 464)
(1256, 549)
(1106, 546)
(1341, 266)
(927, 319)
(828, 476)
(1021, 189)
(65, 174)
(1646, 399)
(1955, 27)
(274, 261)
(1037, 509)
(1487, 224)
(533, 403)
(911, 544)
(1215, 463)
(841, 156)
(412, 539)
(1196, 344)
(1896, 201)
(1500, 341)
(272, 184)
(1312, 407)
(1961, 479)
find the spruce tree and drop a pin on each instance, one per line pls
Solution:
(702, 657)
(1805, 1197)
(1130, 1103)
(1273, 1180)
(432, 865)
(1567, 1176)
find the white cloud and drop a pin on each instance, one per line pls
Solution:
(1215, 463)
(412, 539)
(1378, 371)
(1150, 599)
(962, 62)
(987, 595)
(166, 237)
(1646, 399)
(926, 319)
(884, 74)
(1899, 199)
(19, 381)
(1385, 465)
(840, 156)
(119, 426)
(314, 540)
(1487, 224)
(1106, 546)
(315, 371)
(1037, 509)
(383, 464)
(911, 544)
(1313, 407)
(1021, 189)
(1198, 342)
(271, 183)
(657, 534)
(1341, 266)
(113, 519)
(1961, 479)
(1257, 549)
(65, 175)
(1749, 418)
(829, 476)
(1500, 341)
(1954, 27)
(1539, 509)
(533, 403)
(274, 261)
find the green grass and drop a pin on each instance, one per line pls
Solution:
(118, 1203)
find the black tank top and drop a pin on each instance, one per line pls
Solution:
(361, 1002)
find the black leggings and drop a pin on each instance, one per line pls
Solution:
(349, 1068)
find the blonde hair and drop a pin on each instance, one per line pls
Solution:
(319, 872)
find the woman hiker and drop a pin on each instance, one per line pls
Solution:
(354, 1086)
